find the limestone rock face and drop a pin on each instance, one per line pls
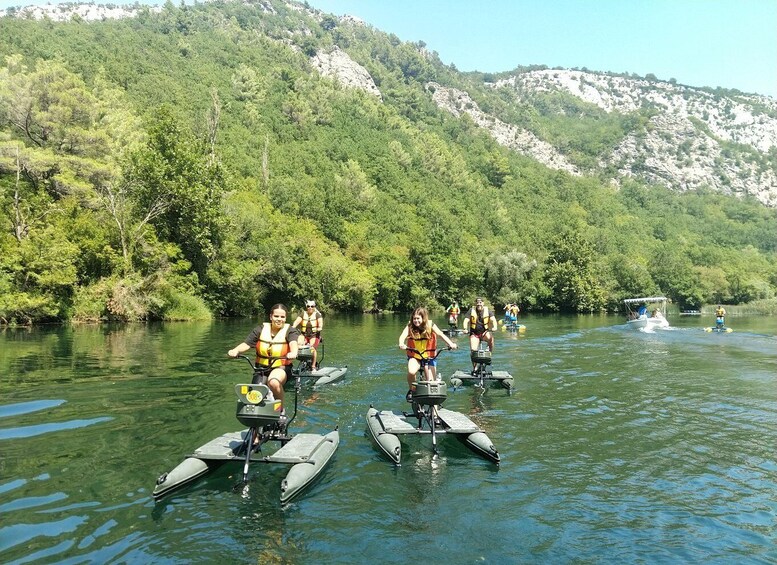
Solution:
(458, 102)
(87, 12)
(730, 119)
(338, 65)
(696, 137)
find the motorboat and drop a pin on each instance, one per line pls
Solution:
(646, 313)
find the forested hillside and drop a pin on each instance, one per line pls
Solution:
(192, 162)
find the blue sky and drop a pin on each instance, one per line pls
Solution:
(728, 43)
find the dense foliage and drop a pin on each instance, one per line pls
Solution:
(179, 164)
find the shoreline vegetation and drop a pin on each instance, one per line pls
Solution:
(766, 307)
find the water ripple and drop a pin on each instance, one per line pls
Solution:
(40, 429)
(28, 407)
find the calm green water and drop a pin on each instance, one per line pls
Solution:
(617, 446)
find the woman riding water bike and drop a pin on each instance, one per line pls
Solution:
(276, 345)
(419, 339)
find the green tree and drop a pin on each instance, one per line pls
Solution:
(572, 275)
(174, 171)
(507, 277)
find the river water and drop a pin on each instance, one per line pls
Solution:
(617, 446)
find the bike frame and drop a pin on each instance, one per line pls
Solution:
(426, 412)
(264, 435)
(482, 370)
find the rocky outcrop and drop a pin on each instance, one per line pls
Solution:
(338, 65)
(458, 102)
(744, 119)
(87, 12)
(695, 138)
(654, 157)
(96, 12)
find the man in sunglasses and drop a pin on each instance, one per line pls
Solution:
(310, 323)
(481, 325)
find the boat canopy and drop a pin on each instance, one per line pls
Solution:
(646, 299)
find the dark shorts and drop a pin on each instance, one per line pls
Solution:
(261, 374)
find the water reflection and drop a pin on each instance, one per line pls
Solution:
(616, 446)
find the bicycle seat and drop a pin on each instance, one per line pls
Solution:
(481, 356)
(430, 392)
(304, 353)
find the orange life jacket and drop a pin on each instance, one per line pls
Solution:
(270, 347)
(473, 319)
(426, 345)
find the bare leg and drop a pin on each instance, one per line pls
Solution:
(276, 381)
(412, 368)
(474, 343)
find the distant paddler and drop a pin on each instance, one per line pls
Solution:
(310, 323)
(453, 312)
(482, 324)
(720, 321)
(720, 317)
(511, 313)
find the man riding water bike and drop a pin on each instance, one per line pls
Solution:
(482, 324)
(310, 323)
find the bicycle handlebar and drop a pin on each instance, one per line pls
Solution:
(436, 354)
(254, 366)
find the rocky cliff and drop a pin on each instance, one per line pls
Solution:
(695, 138)
(338, 65)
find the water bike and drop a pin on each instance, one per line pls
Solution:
(481, 372)
(428, 417)
(719, 329)
(304, 369)
(308, 454)
(511, 326)
(453, 330)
